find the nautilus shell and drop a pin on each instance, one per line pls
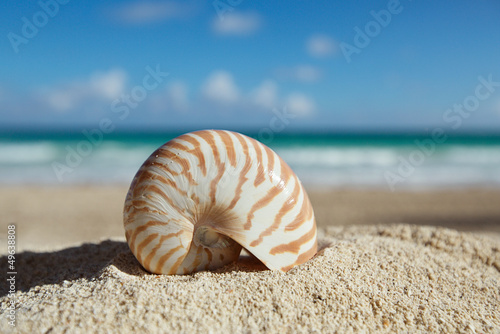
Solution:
(201, 197)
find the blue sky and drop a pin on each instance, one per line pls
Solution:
(230, 63)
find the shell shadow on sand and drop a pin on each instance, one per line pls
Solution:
(127, 263)
(40, 268)
(88, 260)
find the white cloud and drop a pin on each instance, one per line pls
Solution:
(300, 104)
(237, 24)
(143, 12)
(302, 73)
(220, 87)
(173, 97)
(109, 85)
(266, 94)
(105, 86)
(321, 46)
(60, 100)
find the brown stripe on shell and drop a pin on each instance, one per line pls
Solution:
(177, 264)
(306, 256)
(195, 199)
(196, 151)
(208, 136)
(154, 189)
(198, 257)
(168, 182)
(153, 175)
(141, 205)
(213, 184)
(141, 229)
(164, 258)
(138, 209)
(229, 145)
(145, 179)
(286, 171)
(210, 139)
(165, 153)
(261, 174)
(270, 162)
(175, 144)
(264, 201)
(305, 215)
(285, 208)
(243, 173)
(147, 260)
(294, 246)
(143, 244)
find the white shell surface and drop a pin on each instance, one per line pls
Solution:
(234, 189)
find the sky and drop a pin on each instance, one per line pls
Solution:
(287, 65)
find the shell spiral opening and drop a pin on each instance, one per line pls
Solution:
(209, 238)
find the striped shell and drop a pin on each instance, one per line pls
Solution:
(201, 197)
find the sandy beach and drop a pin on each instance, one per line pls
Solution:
(404, 261)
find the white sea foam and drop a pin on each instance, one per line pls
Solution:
(27, 153)
(316, 166)
(333, 156)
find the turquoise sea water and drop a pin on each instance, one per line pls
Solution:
(392, 162)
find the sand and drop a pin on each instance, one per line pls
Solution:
(49, 218)
(395, 277)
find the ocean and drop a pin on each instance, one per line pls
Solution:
(379, 161)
